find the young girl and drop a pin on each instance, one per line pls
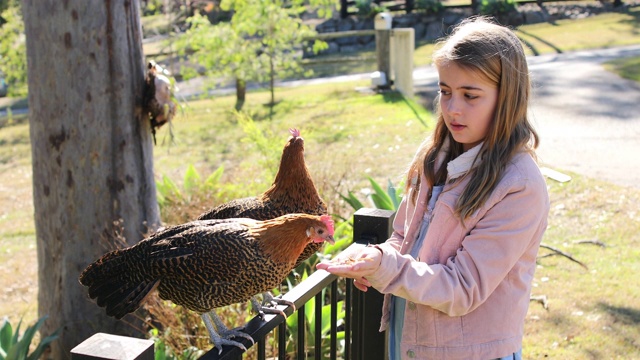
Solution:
(457, 271)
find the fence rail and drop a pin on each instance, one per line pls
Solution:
(362, 312)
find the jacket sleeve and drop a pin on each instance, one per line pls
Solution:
(489, 251)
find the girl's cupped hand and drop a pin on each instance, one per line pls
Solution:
(355, 265)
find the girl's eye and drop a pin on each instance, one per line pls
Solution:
(443, 92)
(470, 96)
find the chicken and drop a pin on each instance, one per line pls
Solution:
(205, 264)
(292, 191)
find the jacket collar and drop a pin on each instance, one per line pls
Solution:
(463, 163)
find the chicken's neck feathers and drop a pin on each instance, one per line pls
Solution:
(282, 243)
(289, 185)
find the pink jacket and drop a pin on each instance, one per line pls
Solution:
(470, 302)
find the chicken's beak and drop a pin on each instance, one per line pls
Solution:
(328, 238)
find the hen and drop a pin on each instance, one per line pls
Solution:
(205, 264)
(292, 191)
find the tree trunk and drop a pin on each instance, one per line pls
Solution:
(272, 79)
(241, 93)
(92, 152)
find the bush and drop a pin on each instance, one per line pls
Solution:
(429, 6)
(367, 8)
(16, 347)
(497, 7)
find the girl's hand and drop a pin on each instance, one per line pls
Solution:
(356, 266)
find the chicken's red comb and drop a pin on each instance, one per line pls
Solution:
(328, 221)
(294, 132)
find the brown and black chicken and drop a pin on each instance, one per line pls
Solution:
(292, 191)
(205, 264)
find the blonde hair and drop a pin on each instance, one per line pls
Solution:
(496, 54)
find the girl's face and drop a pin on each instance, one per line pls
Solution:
(468, 103)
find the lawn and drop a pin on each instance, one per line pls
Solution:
(592, 312)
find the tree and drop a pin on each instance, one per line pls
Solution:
(91, 151)
(262, 42)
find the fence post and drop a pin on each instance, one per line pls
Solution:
(382, 24)
(113, 347)
(370, 226)
(401, 49)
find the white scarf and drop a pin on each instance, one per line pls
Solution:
(463, 163)
(460, 165)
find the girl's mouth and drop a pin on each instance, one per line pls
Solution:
(456, 127)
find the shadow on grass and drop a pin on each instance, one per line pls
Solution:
(532, 47)
(625, 315)
(635, 22)
(396, 96)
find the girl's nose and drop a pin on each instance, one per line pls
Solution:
(452, 106)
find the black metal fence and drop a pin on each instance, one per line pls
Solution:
(361, 340)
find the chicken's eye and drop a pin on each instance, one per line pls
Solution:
(320, 232)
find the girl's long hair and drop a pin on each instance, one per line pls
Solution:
(495, 53)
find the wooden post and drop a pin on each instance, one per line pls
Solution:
(402, 45)
(383, 39)
(370, 226)
(383, 23)
(113, 347)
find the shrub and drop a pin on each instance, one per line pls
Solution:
(367, 8)
(16, 347)
(496, 7)
(429, 6)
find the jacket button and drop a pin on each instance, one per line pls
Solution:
(412, 305)
(411, 354)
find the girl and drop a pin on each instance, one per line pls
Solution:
(457, 271)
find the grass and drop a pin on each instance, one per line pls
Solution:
(593, 312)
(628, 68)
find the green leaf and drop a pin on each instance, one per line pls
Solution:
(393, 195)
(213, 179)
(380, 198)
(6, 333)
(14, 340)
(191, 180)
(168, 188)
(352, 200)
(42, 346)
(27, 337)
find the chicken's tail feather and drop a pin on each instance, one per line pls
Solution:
(120, 303)
(110, 282)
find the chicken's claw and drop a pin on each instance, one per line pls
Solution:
(269, 303)
(223, 334)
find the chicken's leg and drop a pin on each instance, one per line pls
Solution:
(267, 306)
(223, 335)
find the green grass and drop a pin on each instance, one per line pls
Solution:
(602, 31)
(628, 68)
(592, 314)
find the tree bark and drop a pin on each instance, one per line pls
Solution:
(92, 152)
